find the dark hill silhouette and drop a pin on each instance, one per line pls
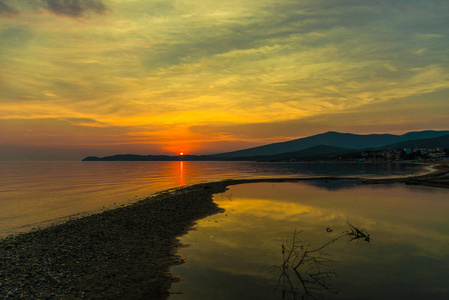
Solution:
(315, 152)
(438, 142)
(335, 139)
(130, 157)
(135, 157)
(330, 152)
(325, 145)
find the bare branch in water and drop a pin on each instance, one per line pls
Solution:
(305, 272)
(356, 234)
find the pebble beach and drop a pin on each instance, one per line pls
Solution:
(117, 254)
(125, 252)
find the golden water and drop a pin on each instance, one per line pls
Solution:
(231, 255)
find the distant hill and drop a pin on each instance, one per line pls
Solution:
(438, 142)
(335, 139)
(135, 157)
(326, 145)
(129, 157)
(330, 152)
(315, 152)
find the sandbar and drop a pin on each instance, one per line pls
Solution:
(126, 252)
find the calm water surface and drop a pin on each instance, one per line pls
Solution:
(39, 193)
(237, 254)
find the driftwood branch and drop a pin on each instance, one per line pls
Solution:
(305, 271)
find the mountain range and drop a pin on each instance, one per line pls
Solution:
(327, 144)
(335, 139)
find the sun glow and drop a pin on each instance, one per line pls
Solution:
(64, 91)
(181, 173)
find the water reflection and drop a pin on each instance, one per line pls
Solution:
(230, 254)
(305, 272)
(181, 173)
(37, 193)
(334, 184)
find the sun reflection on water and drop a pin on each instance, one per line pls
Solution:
(181, 173)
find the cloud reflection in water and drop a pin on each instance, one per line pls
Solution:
(231, 253)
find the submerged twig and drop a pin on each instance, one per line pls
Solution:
(356, 234)
(305, 272)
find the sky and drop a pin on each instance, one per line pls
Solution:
(104, 77)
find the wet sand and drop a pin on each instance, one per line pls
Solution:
(126, 252)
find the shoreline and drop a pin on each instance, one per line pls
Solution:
(439, 177)
(128, 251)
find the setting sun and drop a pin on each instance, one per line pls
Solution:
(174, 74)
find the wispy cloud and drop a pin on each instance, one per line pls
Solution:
(75, 8)
(70, 8)
(187, 66)
(6, 9)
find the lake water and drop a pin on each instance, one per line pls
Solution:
(35, 194)
(238, 254)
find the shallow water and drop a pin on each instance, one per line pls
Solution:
(233, 255)
(35, 194)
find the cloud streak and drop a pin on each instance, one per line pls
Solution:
(234, 71)
(75, 8)
(6, 9)
(69, 8)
